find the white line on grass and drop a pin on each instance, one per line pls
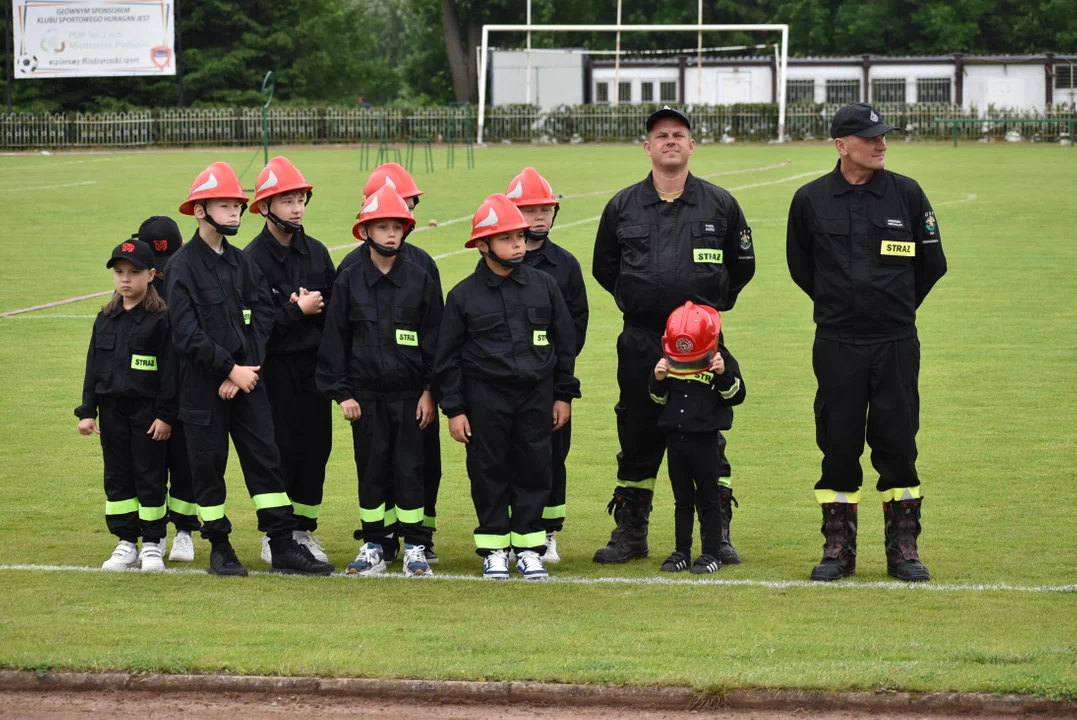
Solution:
(570, 580)
(971, 196)
(52, 187)
(48, 317)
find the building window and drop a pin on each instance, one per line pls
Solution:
(602, 92)
(624, 92)
(888, 90)
(646, 92)
(842, 92)
(1065, 77)
(800, 91)
(669, 92)
(933, 90)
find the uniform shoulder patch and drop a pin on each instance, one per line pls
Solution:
(746, 238)
(931, 227)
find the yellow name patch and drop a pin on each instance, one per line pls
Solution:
(143, 362)
(246, 317)
(706, 255)
(704, 377)
(540, 338)
(407, 337)
(899, 249)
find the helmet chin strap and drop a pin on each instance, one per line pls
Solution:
(226, 230)
(385, 250)
(503, 262)
(542, 236)
(288, 227)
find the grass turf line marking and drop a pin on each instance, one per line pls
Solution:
(773, 584)
(52, 187)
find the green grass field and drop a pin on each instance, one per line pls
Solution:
(998, 452)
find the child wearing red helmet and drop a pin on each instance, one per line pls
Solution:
(377, 361)
(505, 366)
(697, 382)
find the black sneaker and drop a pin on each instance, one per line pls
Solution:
(706, 564)
(677, 562)
(297, 560)
(223, 562)
(431, 556)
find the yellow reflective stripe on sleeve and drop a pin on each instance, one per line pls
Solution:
(182, 507)
(707, 255)
(143, 362)
(429, 521)
(733, 390)
(494, 542)
(372, 515)
(409, 517)
(899, 494)
(660, 400)
(527, 540)
(898, 248)
(647, 484)
(149, 514)
(307, 511)
(407, 337)
(726, 481)
(266, 501)
(121, 507)
(211, 512)
(246, 317)
(555, 512)
(540, 338)
(836, 496)
(390, 516)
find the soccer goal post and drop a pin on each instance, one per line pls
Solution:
(783, 59)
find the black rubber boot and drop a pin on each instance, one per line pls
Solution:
(223, 561)
(726, 552)
(297, 560)
(631, 509)
(839, 548)
(902, 529)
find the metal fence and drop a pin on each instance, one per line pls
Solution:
(515, 123)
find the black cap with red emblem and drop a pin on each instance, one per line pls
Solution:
(163, 236)
(133, 251)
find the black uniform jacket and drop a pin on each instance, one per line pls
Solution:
(381, 333)
(653, 256)
(700, 403)
(514, 329)
(304, 263)
(130, 358)
(221, 309)
(867, 255)
(564, 268)
(412, 252)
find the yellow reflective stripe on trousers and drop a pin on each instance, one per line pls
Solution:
(208, 513)
(553, 512)
(372, 515)
(494, 542)
(837, 496)
(527, 540)
(660, 400)
(307, 511)
(429, 521)
(409, 517)
(898, 494)
(121, 507)
(647, 484)
(182, 507)
(267, 501)
(726, 394)
(149, 514)
(390, 516)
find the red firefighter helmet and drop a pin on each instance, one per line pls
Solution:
(496, 215)
(529, 188)
(218, 181)
(384, 204)
(278, 177)
(691, 338)
(396, 177)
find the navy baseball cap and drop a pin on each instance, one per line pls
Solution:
(133, 251)
(858, 119)
(667, 112)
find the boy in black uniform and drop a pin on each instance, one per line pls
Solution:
(530, 192)
(301, 276)
(504, 369)
(697, 383)
(377, 360)
(162, 235)
(222, 315)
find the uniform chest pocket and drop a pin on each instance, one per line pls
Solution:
(406, 326)
(247, 301)
(706, 250)
(895, 243)
(314, 281)
(363, 314)
(539, 319)
(211, 307)
(832, 244)
(635, 247)
(490, 332)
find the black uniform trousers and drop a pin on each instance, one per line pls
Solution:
(553, 515)
(642, 442)
(388, 447)
(694, 461)
(303, 429)
(725, 470)
(248, 419)
(874, 386)
(136, 470)
(431, 478)
(508, 462)
(182, 507)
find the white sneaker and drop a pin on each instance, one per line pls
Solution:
(415, 564)
(267, 552)
(152, 556)
(305, 539)
(124, 557)
(551, 556)
(182, 547)
(368, 562)
(496, 566)
(530, 566)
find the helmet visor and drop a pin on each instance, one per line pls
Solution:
(682, 367)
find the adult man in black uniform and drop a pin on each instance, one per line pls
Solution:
(661, 242)
(863, 243)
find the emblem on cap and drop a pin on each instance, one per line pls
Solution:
(127, 247)
(685, 345)
(874, 117)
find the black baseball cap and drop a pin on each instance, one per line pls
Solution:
(667, 112)
(858, 119)
(162, 234)
(133, 251)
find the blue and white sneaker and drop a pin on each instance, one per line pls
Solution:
(368, 562)
(530, 566)
(415, 564)
(496, 566)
